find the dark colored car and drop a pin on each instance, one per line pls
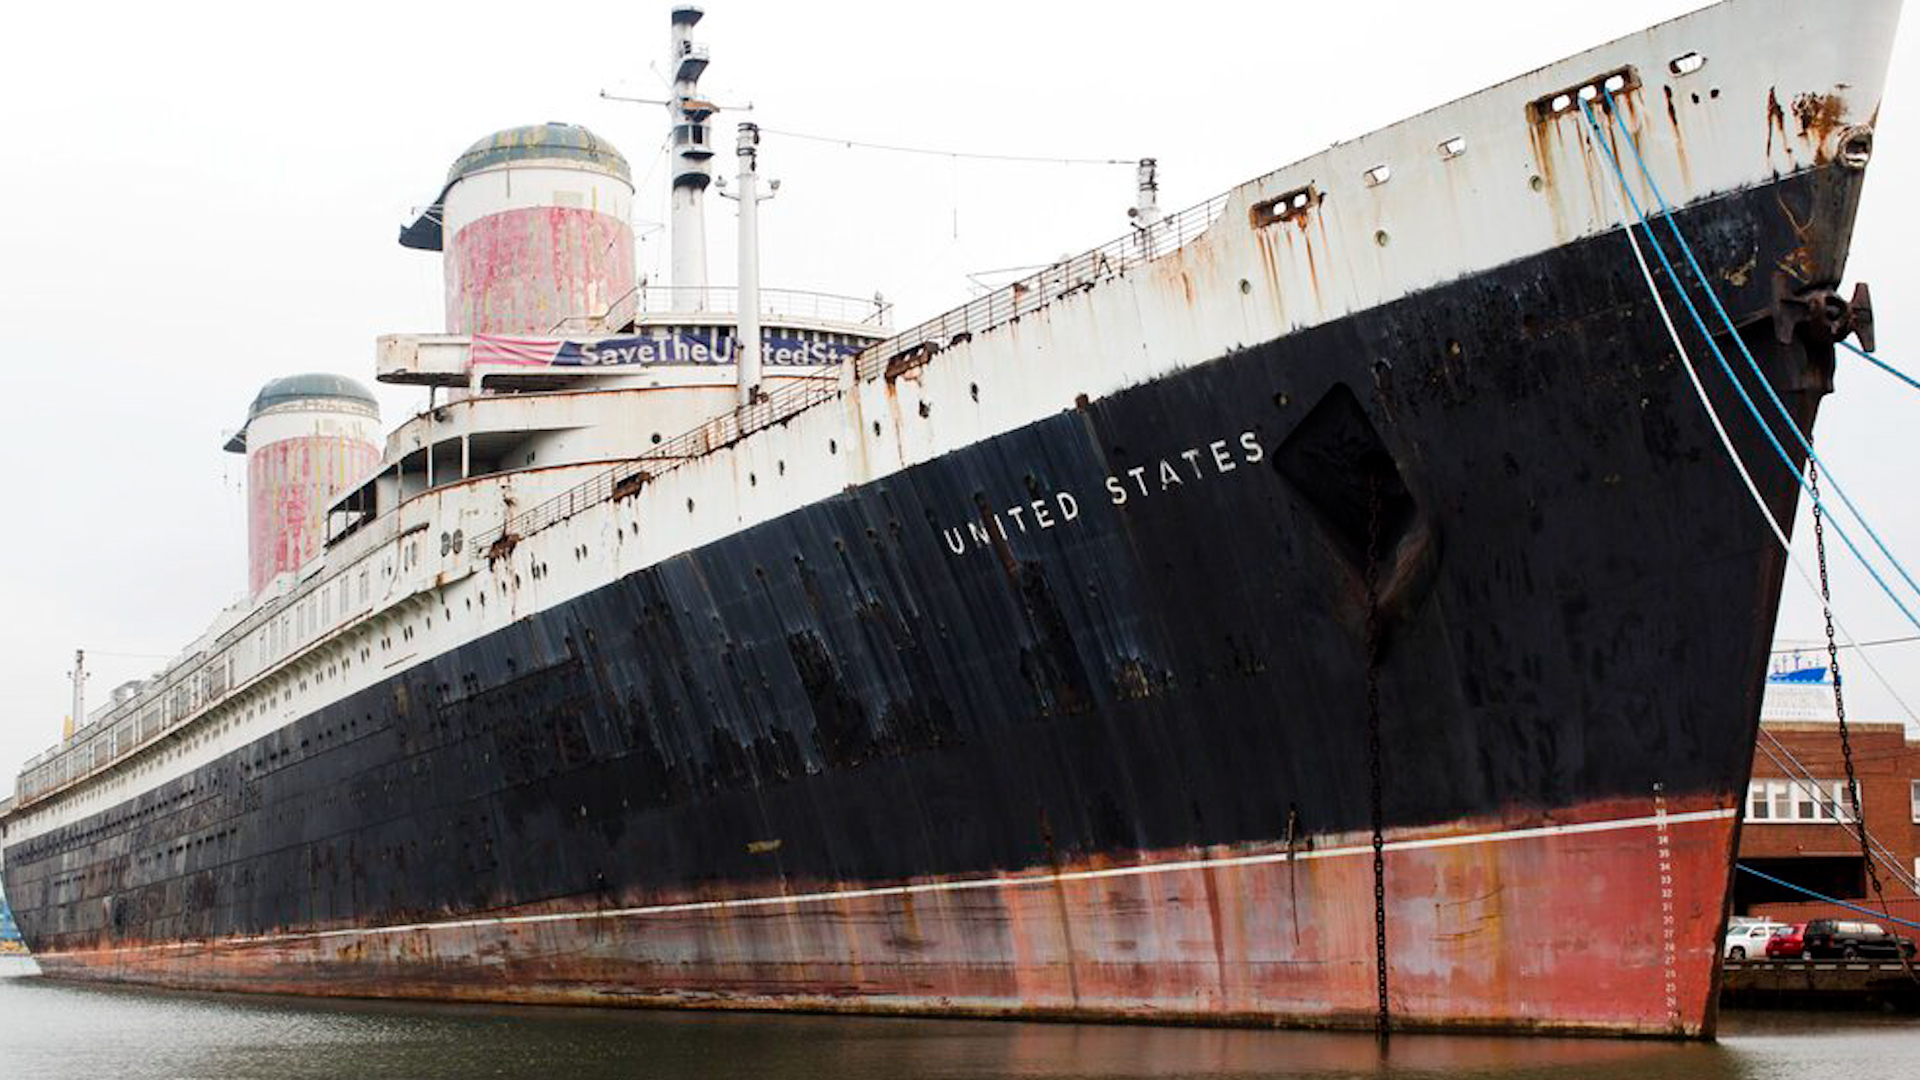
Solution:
(1786, 943)
(1826, 939)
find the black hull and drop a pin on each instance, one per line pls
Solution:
(1579, 598)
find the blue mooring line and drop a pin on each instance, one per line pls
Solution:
(1743, 867)
(1740, 388)
(1879, 363)
(1706, 286)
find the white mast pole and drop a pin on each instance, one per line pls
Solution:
(79, 677)
(692, 150)
(746, 343)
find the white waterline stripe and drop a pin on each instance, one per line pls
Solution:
(998, 882)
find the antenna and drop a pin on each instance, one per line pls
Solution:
(79, 677)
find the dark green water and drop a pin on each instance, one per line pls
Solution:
(53, 1031)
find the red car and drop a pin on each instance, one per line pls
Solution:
(1786, 943)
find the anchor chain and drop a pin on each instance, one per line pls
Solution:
(1840, 713)
(1374, 791)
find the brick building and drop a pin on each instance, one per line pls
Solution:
(1797, 818)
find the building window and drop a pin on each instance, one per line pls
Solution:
(1916, 802)
(1803, 800)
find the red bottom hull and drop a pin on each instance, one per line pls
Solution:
(1603, 918)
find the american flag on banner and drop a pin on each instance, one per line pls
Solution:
(532, 352)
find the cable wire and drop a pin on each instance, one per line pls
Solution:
(1720, 429)
(1854, 645)
(1824, 897)
(1740, 388)
(1706, 286)
(1802, 777)
(928, 152)
(1879, 363)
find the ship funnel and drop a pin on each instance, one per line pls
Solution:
(307, 439)
(533, 229)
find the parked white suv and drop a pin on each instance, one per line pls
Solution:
(1748, 939)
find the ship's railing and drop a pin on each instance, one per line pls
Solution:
(1043, 287)
(795, 397)
(187, 687)
(1023, 297)
(724, 301)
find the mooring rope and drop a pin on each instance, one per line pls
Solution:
(1727, 368)
(1879, 363)
(1713, 298)
(1720, 429)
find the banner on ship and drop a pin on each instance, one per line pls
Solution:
(678, 347)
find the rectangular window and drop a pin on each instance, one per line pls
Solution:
(1916, 802)
(1801, 801)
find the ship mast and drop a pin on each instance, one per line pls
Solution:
(1146, 207)
(79, 677)
(692, 151)
(747, 335)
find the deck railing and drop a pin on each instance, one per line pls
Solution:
(723, 303)
(1004, 305)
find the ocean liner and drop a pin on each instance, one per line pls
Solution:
(1246, 622)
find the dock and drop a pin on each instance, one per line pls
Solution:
(1881, 985)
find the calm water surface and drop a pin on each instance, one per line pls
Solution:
(52, 1031)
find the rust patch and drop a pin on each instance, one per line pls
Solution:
(1739, 275)
(1819, 116)
(1799, 262)
(628, 486)
(1313, 269)
(906, 361)
(1776, 119)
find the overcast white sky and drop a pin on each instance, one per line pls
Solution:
(195, 198)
